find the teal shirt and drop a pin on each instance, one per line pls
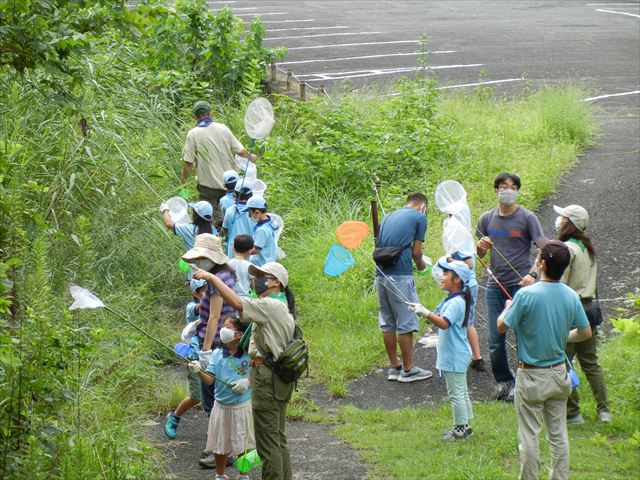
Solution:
(542, 316)
(454, 351)
(229, 368)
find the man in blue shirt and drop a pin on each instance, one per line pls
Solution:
(544, 316)
(406, 228)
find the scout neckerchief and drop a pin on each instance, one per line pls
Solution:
(580, 243)
(205, 122)
(278, 296)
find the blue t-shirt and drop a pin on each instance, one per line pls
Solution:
(400, 229)
(229, 368)
(542, 315)
(237, 222)
(454, 351)
(264, 238)
(226, 202)
(187, 232)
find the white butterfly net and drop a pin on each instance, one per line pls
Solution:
(258, 119)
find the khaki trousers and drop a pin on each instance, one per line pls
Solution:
(269, 399)
(541, 394)
(588, 358)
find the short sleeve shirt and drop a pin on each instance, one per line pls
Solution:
(273, 326)
(454, 351)
(226, 202)
(542, 315)
(237, 222)
(187, 232)
(264, 238)
(201, 329)
(243, 284)
(212, 148)
(229, 368)
(400, 229)
(512, 235)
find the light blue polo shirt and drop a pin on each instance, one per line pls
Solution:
(454, 351)
(264, 238)
(542, 315)
(187, 232)
(229, 368)
(226, 202)
(241, 225)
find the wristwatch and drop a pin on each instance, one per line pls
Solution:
(533, 274)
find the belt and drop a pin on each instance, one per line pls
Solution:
(256, 361)
(526, 365)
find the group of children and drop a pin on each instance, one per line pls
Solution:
(219, 381)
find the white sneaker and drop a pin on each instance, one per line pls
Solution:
(576, 420)
(393, 374)
(605, 416)
(414, 375)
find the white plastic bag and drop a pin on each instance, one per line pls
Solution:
(189, 331)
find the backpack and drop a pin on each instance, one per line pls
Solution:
(293, 361)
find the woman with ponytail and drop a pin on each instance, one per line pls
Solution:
(451, 316)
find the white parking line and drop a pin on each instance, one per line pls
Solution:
(591, 99)
(317, 35)
(289, 21)
(305, 28)
(613, 4)
(374, 72)
(490, 82)
(259, 14)
(618, 13)
(363, 57)
(352, 44)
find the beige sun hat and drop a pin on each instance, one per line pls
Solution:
(577, 214)
(207, 246)
(272, 268)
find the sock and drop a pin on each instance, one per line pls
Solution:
(398, 368)
(459, 428)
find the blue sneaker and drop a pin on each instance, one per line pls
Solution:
(171, 425)
(393, 373)
(414, 375)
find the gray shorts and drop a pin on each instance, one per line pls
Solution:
(393, 293)
(194, 385)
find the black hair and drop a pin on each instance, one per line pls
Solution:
(202, 225)
(261, 210)
(556, 257)
(568, 230)
(416, 197)
(231, 185)
(291, 301)
(503, 177)
(244, 194)
(243, 243)
(237, 324)
(467, 299)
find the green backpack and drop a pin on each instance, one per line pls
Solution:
(294, 360)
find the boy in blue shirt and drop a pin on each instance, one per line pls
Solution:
(264, 236)
(230, 179)
(544, 316)
(236, 217)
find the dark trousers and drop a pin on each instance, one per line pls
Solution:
(496, 299)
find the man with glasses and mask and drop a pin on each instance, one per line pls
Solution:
(405, 227)
(509, 231)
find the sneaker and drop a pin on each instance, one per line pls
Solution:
(501, 391)
(478, 365)
(221, 477)
(511, 394)
(414, 375)
(468, 431)
(171, 425)
(575, 420)
(393, 373)
(207, 460)
(604, 416)
(231, 460)
(454, 435)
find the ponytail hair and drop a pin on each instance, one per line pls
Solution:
(467, 305)
(291, 301)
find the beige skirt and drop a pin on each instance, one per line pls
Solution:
(230, 429)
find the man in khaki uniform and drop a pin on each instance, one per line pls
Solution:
(544, 316)
(211, 147)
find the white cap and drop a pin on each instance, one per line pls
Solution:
(271, 268)
(577, 214)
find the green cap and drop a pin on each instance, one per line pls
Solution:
(201, 106)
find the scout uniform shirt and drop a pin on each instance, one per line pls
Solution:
(273, 326)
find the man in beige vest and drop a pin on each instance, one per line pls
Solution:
(211, 147)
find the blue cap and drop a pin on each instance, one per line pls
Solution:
(196, 284)
(204, 209)
(230, 176)
(256, 202)
(461, 269)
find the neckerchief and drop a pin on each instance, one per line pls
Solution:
(580, 243)
(449, 297)
(205, 122)
(278, 296)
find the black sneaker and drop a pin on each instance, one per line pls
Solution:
(478, 365)
(207, 460)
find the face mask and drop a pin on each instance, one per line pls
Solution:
(261, 286)
(227, 335)
(508, 197)
(558, 223)
(204, 264)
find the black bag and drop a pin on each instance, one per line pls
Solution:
(293, 361)
(594, 314)
(387, 256)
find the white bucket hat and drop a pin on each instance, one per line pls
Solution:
(207, 246)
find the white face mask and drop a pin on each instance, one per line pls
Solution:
(227, 335)
(204, 264)
(508, 197)
(558, 223)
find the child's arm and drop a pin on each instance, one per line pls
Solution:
(195, 367)
(164, 209)
(434, 318)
